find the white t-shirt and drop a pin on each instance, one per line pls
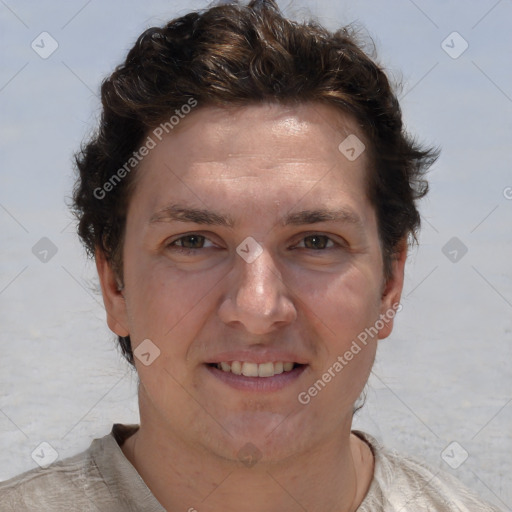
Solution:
(101, 479)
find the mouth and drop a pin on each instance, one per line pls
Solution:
(259, 377)
(248, 369)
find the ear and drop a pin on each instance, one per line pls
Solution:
(392, 292)
(113, 298)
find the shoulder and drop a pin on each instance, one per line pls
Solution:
(47, 489)
(403, 483)
(83, 482)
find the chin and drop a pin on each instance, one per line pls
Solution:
(269, 437)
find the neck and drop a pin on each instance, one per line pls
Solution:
(334, 476)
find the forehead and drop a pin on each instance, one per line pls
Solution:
(301, 132)
(259, 153)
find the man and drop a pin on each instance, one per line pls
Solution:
(248, 199)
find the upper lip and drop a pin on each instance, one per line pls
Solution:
(260, 357)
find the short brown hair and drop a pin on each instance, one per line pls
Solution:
(234, 55)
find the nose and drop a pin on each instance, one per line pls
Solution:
(257, 299)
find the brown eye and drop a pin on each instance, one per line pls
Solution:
(191, 241)
(316, 242)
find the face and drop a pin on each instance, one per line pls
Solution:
(253, 265)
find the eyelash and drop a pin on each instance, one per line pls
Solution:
(187, 250)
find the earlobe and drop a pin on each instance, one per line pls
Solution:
(113, 297)
(390, 300)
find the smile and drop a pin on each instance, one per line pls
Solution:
(249, 376)
(248, 369)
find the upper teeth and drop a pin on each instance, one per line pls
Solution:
(255, 370)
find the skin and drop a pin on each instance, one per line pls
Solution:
(308, 296)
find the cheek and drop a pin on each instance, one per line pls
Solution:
(163, 301)
(342, 304)
(342, 311)
(344, 361)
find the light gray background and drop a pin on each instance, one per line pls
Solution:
(445, 373)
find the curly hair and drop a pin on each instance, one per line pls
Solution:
(236, 55)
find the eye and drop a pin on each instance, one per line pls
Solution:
(318, 242)
(189, 243)
(195, 242)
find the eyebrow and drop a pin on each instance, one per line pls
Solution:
(204, 216)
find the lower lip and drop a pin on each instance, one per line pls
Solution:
(258, 384)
